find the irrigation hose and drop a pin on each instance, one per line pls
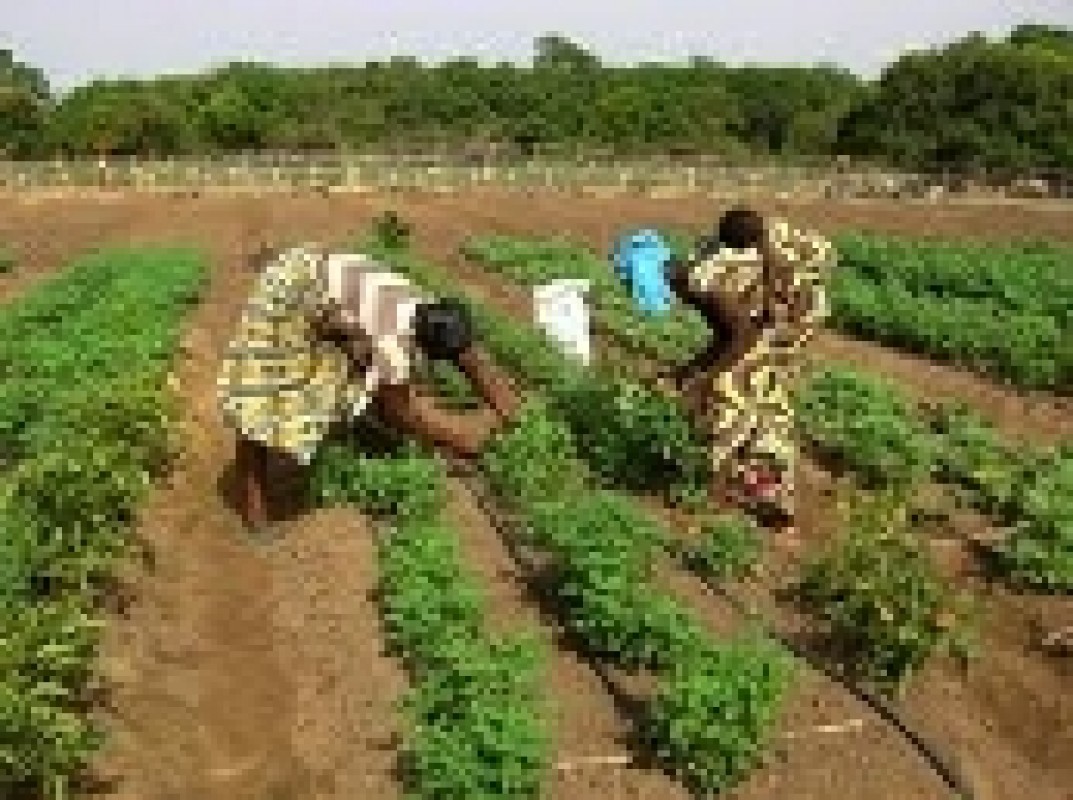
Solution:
(937, 761)
(940, 763)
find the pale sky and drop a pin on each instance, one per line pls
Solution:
(77, 41)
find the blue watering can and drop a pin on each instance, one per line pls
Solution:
(640, 261)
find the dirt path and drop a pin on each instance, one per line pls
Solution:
(246, 672)
(204, 701)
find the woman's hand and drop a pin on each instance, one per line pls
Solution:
(411, 411)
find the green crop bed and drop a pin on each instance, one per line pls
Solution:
(1024, 277)
(1002, 310)
(530, 262)
(85, 423)
(475, 722)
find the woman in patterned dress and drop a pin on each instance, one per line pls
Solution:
(324, 335)
(760, 288)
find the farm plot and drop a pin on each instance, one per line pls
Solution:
(1001, 310)
(554, 376)
(206, 612)
(474, 726)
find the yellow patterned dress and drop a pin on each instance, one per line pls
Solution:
(751, 412)
(281, 385)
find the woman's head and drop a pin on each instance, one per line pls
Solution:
(741, 228)
(443, 329)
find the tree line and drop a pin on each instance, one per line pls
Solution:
(975, 103)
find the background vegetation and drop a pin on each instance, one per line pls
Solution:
(976, 103)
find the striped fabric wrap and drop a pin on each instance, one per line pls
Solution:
(751, 413)
(279, 384)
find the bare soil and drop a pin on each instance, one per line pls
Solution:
(255, 670)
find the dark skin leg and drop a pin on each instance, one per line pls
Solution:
(251, 464)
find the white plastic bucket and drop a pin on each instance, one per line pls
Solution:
(561, 311)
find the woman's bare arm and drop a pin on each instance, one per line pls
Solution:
(491, 383)
(678, 278)
(733, 332)
(463, 433)
(410, 411)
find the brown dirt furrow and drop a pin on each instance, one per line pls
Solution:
(1010, 716)
(205, 703)
(44, 240)
(249, 674)
(344, 732)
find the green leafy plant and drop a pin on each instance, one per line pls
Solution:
(535, 261)
(533, 460)
(713, 715)
(91, 348)
(406, 486)
(1021, 276)
(475, 725)
(1039, 550)
(862, 422)
(1003, 310)
(45, 662)
(65, 514)
(631, 435)
(427, 602)
(1029, 491)
(729, 547)
(474, 732)
(603, 549)
(599, 547)
(391, 231)
(865, 425)
(573, 527)
(971, 455)
(880, 600)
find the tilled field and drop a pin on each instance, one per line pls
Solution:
(251, 671)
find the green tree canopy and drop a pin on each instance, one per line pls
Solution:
(975, 102)
(24, 101)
